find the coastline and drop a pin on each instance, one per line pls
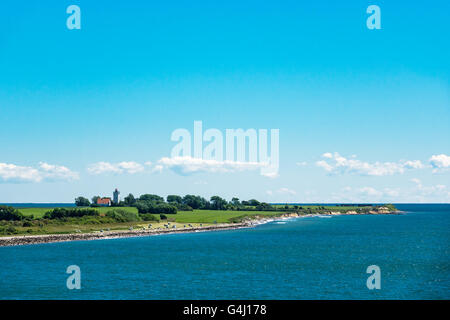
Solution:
(50, 238)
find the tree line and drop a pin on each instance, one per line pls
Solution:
(152, 203)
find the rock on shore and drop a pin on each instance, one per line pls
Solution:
(35, 239)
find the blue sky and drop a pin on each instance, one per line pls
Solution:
(114, 91)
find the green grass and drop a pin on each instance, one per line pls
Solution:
(201, 216)
(182, 217)
(73, 227)
(209, 216)
(39, 212)
(197, 216)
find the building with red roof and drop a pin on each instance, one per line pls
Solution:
(104, 202)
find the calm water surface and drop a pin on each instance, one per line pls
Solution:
(305, 258)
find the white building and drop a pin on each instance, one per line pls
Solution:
(116, 198)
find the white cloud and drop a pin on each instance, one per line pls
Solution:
(417, 181)
(337, 164)
(393, 193)
(181, 165)
(286, 191)
(56, 173)
(325, 165)
(14, 173)
(281, 191)
(365, 195)
(102, 167)
(438, 190)
(302, 163)
(420, 193)
(189, 165)
(440, 162)
(158, 168)
(44, 172)
(371, 192)
(271, 175)
(413, 164)
(131, 167)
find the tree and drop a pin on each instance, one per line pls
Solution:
(263, 206)
(235, 201)
(152, 207)
(94, 199)
(195, 202)
(10, 214)
(174, 199)
(151, 197)
(253, 202)
(59, 213)
(129, 200)
(218, 203)
(82, 202)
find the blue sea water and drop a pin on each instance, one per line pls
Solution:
(304, 258)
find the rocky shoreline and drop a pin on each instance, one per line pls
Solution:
(47, 238)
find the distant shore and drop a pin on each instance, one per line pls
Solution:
(48, 238)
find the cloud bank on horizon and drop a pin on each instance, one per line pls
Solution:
(334, 163)
(337, 164)
(44, 172)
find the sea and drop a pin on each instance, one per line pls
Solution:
(303, 258)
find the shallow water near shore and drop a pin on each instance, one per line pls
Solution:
(304, 258)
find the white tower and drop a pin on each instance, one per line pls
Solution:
(116, 198)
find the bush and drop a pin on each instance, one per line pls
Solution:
(151, 207)
(7, 230)
(82, 202)
(10, 214)
(120, 215)
(148, 217)
(163, 217)
(182, 207)
(26, 224)
(59, 213)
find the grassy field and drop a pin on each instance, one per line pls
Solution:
(181, 219)
(196, 216)
(39, 212)
(209, 216)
